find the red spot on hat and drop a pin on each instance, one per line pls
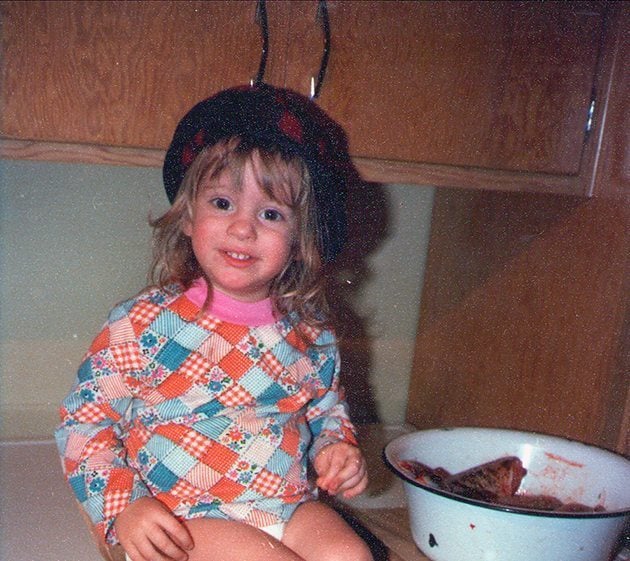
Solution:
(191, 150)
(198, 139)
(188, 155)
(290, 126)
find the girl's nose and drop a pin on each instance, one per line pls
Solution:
(242, 227)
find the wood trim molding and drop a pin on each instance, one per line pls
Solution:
(387, 171)
(79, 153)
(379, 171)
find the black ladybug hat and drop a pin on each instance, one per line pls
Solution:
(273, 119)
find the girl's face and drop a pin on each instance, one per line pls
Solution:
(241, 237)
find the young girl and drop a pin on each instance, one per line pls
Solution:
(196, 410)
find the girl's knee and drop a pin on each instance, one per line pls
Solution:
(359, 552)
(356, 550)
(317, 533)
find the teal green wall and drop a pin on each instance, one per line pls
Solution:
(74, 240)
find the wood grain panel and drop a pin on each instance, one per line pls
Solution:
(613, 184)
(525, 315)
(523, 309)
(121, 73)
(474, 94)
(502, 85)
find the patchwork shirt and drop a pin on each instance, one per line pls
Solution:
(213, 418)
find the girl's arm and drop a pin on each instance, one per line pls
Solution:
(337, 460)
(327, 415)
(89, 437)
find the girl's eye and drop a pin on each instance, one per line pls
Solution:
(221, 203)
(272, 214)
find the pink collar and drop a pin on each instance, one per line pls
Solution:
(226, 308)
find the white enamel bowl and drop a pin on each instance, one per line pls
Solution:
(448, 527)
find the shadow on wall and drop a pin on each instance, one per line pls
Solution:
(368, 219)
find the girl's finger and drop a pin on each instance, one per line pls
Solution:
(352, 478)
(148, 551)
(356, 490)
(351, 468)
(178, 533)
(165, 546)
(327, 468)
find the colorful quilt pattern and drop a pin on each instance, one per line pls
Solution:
(212, 418)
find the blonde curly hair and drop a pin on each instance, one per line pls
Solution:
(300, 286)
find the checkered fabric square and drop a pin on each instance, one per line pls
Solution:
(171, 355)
(259, 453)
(127, 357)
(100, 342)
(226, 489)
(90, 413)
(191, 336)
(93, 446)
(195, 444)
(174, 385)
(185, 308)
(290, 442)
(295, 402)
(232, 332)
(235, 395)
(194, 366)
(271, 365)
(115, 501)
(267, 483)
(220, 458)
(185, 490)
(256, 381)
(209, 323)
(143, 314)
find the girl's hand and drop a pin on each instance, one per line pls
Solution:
(149, 532)
(341, 468)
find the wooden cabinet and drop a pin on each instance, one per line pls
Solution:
(502, 86)
(524, 319)
(119, 73)
(474, 94)
(525, 315)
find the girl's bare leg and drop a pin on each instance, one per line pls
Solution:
(317, 533)
(224, 540)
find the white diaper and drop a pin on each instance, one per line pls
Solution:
(275, 531)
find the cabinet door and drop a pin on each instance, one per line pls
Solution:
(523, 320)
(470, 94)
(498, 85)
(122, 73)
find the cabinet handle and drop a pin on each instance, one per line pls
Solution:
(322, 16)
(261, 19)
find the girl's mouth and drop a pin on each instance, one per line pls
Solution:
(238, 256)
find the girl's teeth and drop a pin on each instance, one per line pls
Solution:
(240, 256)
